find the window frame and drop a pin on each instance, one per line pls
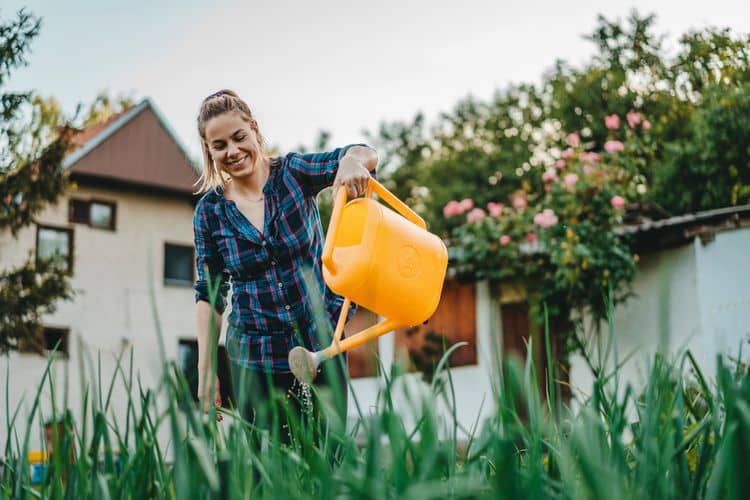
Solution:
(88, 202)
(175, 282)
(64, 350)
(71, 243)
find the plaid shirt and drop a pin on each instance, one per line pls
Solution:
(271, 306)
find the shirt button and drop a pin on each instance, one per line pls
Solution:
(287, 307)
(263, 243)
(273, 262)
(281, 284)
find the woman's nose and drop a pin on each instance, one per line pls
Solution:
(232, 150)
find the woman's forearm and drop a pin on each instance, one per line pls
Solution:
(204, 312)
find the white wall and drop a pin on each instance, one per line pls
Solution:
(114, 273)
(723, 269)
(694, 297)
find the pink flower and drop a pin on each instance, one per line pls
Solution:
(646, 125)
(518, 200)
(505, 240)
(633, 118)
(590, 157)
(569, 181)
(495, 209)
(612, 122)
(588, 169)
(531, 237)
(475, 215)
(546, 218)
(568, 154)
(550, 175)
(466, 204)
(573, 139)
(618, 202)
(560, 164)
(452, 208)
(613, 147)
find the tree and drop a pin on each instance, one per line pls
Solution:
(668, 130)
(31, 177)
(104, 106)
(688, 96)
(487, 150)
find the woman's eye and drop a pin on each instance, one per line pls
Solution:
(240, 138)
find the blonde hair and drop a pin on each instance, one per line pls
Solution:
(212, 106)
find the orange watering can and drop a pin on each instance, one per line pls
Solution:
(383, 260)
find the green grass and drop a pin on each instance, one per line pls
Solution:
(690, 439)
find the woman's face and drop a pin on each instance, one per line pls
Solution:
(233, 144)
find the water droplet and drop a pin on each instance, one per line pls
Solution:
(304, 393)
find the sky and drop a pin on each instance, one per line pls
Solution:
(343, 66)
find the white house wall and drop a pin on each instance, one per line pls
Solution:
(723, 269)
(663, 315)
(114, 273)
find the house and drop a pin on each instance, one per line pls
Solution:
(126, 230)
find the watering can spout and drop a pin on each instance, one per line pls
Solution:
(304, 363)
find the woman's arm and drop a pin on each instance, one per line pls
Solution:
(204, 311)
(211, 269)
(354, 169)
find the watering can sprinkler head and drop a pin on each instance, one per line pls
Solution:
(304, 364)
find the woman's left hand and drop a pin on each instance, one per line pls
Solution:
(352, 175)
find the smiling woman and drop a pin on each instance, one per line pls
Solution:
(257, 226)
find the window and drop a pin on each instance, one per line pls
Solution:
(187, 357)
(56, 339)
(78, 211)
(55, 243)
(102, 215)
(178, 265)
(95, 213)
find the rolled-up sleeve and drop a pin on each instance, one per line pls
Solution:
(316, 171)
(209, 263)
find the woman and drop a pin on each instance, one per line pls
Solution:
(258, 225)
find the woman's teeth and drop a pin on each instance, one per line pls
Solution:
(236, 162)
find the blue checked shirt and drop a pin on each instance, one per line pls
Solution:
(271, 305)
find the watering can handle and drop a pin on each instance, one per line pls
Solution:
(340, 198)
(338, 205)
(397, 204)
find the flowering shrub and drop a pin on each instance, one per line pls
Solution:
(562, 241)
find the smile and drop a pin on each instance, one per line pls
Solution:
(236, 162)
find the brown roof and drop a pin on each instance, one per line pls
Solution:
(88, 134)
(653, 235)
(135, 147)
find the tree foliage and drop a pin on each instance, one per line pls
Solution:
(31, 176)
(488, 150)
(670, 130)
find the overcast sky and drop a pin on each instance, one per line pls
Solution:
(340, 65)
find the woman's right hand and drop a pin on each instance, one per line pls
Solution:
(204, 393)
